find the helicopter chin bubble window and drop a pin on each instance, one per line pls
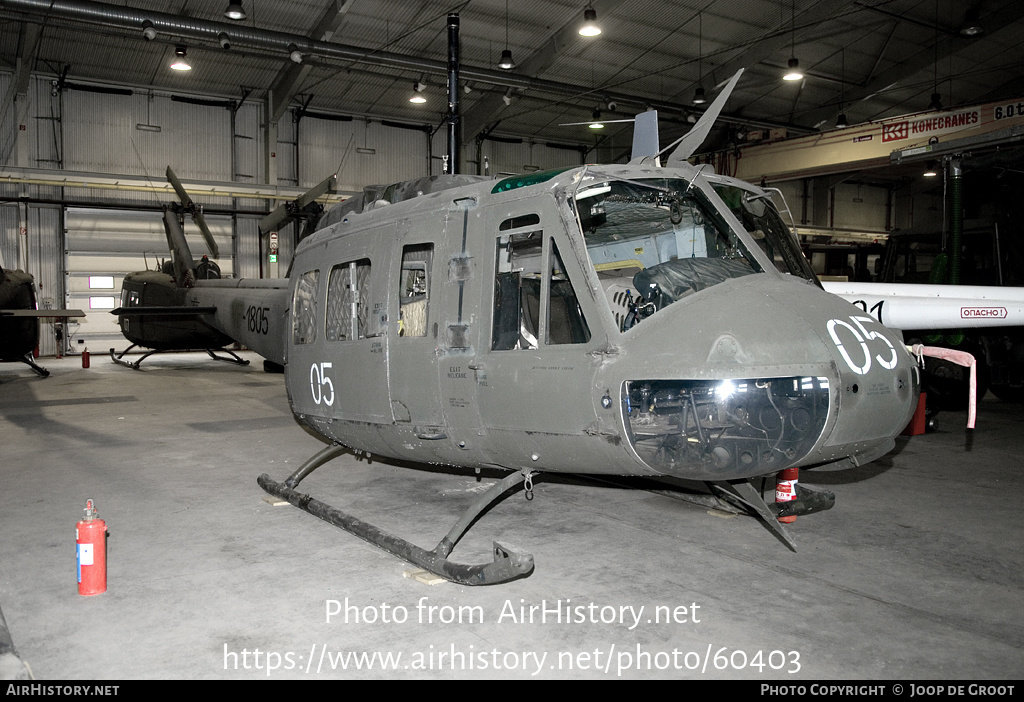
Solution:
(722, 429)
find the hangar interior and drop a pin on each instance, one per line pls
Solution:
(914, 574)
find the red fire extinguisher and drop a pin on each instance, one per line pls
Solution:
(85, 357)
(785, 489)
(91, 543)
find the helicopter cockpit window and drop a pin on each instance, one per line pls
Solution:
(414, 289)
(348, 301)
(762, 221)
(655, 241)
(531, 287)
(304, 308)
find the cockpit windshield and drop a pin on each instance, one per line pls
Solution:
(762, 221)
(654, 241)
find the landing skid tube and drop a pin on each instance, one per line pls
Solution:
(42, 372)
(118, 358)
(510, 563)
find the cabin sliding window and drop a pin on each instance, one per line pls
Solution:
(534, 300)
(348, 301)
(304, 308)
(414, 289)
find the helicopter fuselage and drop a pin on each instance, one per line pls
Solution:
(624, 320)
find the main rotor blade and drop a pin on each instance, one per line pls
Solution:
(692, 140)
(211, 244)
(292, 208)
(183, 195)
(645, 137)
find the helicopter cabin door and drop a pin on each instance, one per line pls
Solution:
(538, 366)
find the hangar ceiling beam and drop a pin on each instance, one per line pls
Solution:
(998, 23)
(476, 119)
(286, 84)
(17, 91)
(778, 39)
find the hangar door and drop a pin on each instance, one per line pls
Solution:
(103, 245)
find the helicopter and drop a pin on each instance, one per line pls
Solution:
(638, 320)
(618, 320)
(154, 313)
(19, 319)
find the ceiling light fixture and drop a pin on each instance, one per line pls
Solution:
(506, 61)
(417, 97)
(793, 72)
(596, 124)
(148, 30)
(180, 60)
(235, 11)
(841, 122)
(971, 26)
(930, 170)
(589, 27)
(698, 96)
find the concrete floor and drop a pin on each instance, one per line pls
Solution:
(915, 574)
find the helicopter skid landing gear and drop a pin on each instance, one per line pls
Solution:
(118, 358)
(510, 563)
(42, 372)
(235, 358)
(808, 501)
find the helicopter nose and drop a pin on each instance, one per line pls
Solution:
(764, 375)
(877, 381)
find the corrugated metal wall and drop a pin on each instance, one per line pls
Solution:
(101, 135)
(7, 126)
(45, 242)
(510, 158)
(9, 216)
(399, 154)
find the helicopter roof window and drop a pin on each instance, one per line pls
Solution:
(654, 241)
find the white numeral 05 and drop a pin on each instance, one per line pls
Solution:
(320, 385)
(862, 337)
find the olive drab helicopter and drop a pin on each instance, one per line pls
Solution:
(619, 320)
(19, 319)
(611, 320)
(160, 309)
(158, 313)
